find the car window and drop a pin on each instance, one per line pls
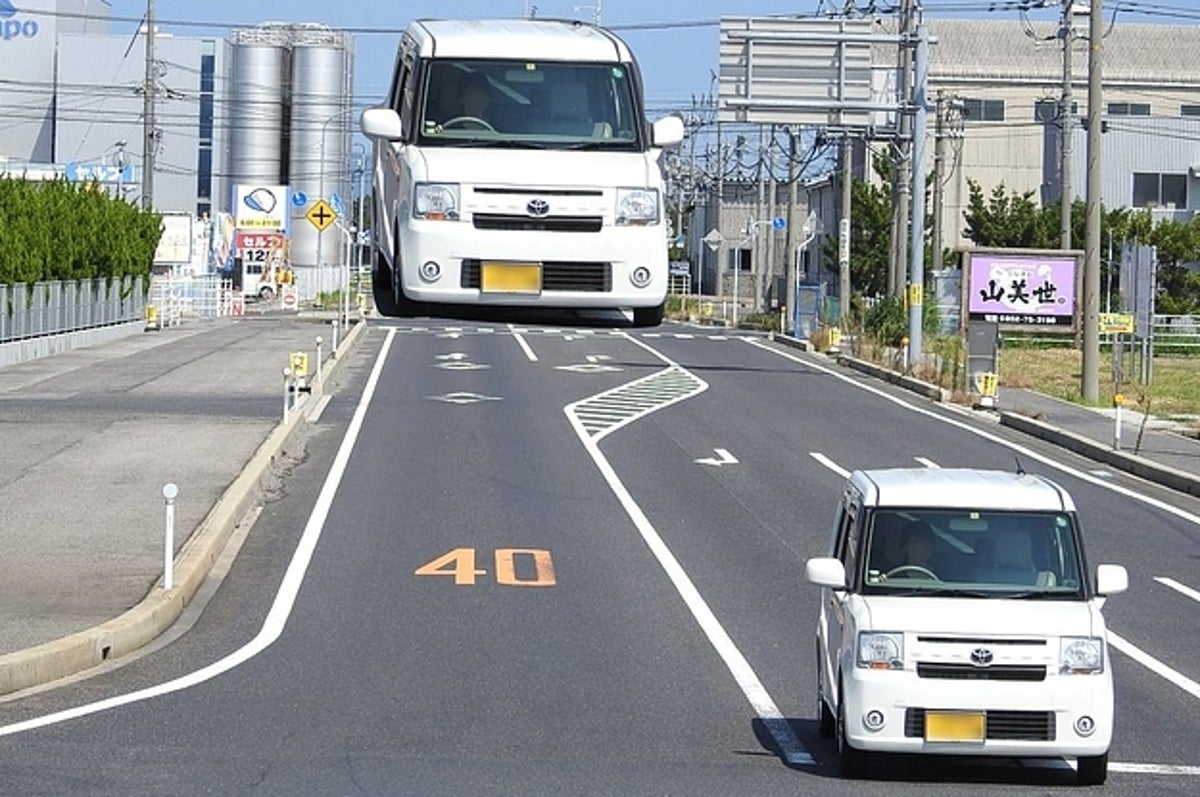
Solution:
(987, 552)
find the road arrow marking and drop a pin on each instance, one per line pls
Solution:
(722, 457)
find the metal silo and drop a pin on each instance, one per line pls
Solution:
(318, 164)
(259, 73)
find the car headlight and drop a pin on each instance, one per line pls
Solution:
(881, 650)
(1081, 655)
(436, 201)
(637, 206)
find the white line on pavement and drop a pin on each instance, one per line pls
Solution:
(285, 598)
(1180, 588)
(525, 347)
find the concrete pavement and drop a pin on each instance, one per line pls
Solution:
(90, 437)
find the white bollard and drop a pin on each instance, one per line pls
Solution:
(169, 492)
(333, 351)
(1117, 427)
(318, 358)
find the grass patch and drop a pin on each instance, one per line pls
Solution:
(1174, 391)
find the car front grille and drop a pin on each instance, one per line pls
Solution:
(969, 672)
(1035, 726)
(501, 221)
(568, 276)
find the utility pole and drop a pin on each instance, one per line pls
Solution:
(939, 169)
(916, 284)
(844, 233)
(791, 264)
(149, 135)
(1066, 121)
(901, 196)
(1090, 318)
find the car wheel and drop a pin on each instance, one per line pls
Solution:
(1092, 770)
(649, 316)
(852, 762)
(381, 286)
(826, 724)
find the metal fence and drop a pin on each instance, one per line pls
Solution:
(206, 296)
(53, 308)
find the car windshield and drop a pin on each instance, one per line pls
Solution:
(975, 553)
(539, 105)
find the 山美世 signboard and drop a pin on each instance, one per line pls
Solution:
(1022, 288)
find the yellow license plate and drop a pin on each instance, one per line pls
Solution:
(510, 278)
(954, 726)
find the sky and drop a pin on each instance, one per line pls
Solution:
(675, 42)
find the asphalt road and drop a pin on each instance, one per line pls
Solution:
(541, 560)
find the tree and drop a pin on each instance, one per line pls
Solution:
(870, 230)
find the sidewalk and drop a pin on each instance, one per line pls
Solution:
(1164, 455)
(91, 436)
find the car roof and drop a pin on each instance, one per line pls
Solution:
(529, 39)
(960, 488)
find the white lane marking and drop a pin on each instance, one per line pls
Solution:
(723, 457)
(929, 463)
(285, 598)
(1020, 449)
(453, 356)
(525, 347)
(1154, 665)
(760, 700)
(829, 463)
(1175, 585)
(1154, 769)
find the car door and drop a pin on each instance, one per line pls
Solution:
(833, 601)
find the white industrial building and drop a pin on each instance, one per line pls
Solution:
(268, 106)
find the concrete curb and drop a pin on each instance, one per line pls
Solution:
(156, 613)
(1130, 463)
(917, 386)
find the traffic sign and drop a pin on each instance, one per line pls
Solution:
(299, 199)
(779, 222)
(321, 215)
(714, 239)
(339, 207)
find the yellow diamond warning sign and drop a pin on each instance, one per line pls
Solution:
(321, 215)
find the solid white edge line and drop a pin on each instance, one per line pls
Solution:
(524, 344)
(1180, 588)
(760, 700)
(829, 463)
(1154, 769)
(285, 598)
(1157, 667)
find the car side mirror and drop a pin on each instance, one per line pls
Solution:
(382, 123)
(1111, 579)
(667, 132)
(825, 571)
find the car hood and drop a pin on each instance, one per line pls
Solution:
(975, 616)
(540, 168)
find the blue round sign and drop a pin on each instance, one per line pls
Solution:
(779, 222)
(299, 199)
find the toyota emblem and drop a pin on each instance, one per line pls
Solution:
(538, 207)
(981, 657)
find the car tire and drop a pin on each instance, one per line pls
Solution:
(826, 722)
(381, 286)
(852, 762)
(1092, 770)
(649, 316)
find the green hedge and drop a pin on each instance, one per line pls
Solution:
(72, 231)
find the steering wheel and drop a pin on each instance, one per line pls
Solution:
(469, 122)
(925, 571)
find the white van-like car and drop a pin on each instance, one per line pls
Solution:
(958, 616)
(513, 165)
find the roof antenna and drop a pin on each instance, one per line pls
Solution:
(1020, 469)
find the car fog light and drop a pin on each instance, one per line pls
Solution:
(430, 271)
(640, 277)
(874, 720)
(1085, 726)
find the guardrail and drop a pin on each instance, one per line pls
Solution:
(60, 307)
(1170, 334)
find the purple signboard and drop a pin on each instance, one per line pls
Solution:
(1022, 289)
